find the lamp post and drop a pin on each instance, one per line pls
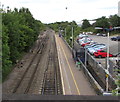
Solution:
(85, 57)
(85, 53)
(107, 71)
(65, 33)
(72, 37)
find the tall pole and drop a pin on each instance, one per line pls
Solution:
(72, 37)
(65, 33)
(107, 76)
(85, 53)
(85, 57)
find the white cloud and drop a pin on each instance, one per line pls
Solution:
(54, 10)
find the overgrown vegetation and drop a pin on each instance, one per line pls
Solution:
(19, 32)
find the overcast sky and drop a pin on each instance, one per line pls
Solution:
(48, 11)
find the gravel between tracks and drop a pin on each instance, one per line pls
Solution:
(10, 85)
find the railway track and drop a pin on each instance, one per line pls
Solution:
(26, 80)
(52, 81)
(39, 73)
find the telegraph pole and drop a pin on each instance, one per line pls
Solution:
(107, 75)
(72, 37)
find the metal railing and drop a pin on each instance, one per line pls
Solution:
(101, 71)
(91, 79)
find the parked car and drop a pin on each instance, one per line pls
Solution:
(99, 34)
(81, 36)
(91, 50)
(85, 43)
(118, 54)
(96, 45)
(117, 38)
(104, 35)
(113, 38)
(84, 40)
(101, 46)
(101, 53)
(90, 45)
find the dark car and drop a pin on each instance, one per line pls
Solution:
(117, 38)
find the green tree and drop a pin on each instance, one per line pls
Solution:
(102, 22)
(20, 31)
(114, 20)
(6, 62)
(85, 24)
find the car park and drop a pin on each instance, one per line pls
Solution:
(89, 44)
(101, 53)
(95, 48)
(117, 38)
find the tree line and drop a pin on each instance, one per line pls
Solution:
(65, 28)
(103, 22)
(19, 32)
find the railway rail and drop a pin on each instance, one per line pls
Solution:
(39, 71)
(52, 81)
(25, 82)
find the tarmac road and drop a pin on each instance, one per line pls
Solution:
(113, 45)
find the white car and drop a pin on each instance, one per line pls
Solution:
(91, 50)
(85, 39)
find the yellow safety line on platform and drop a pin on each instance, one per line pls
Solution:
(70, 69)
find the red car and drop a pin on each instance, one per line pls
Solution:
(101, 53)
(84, 44)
